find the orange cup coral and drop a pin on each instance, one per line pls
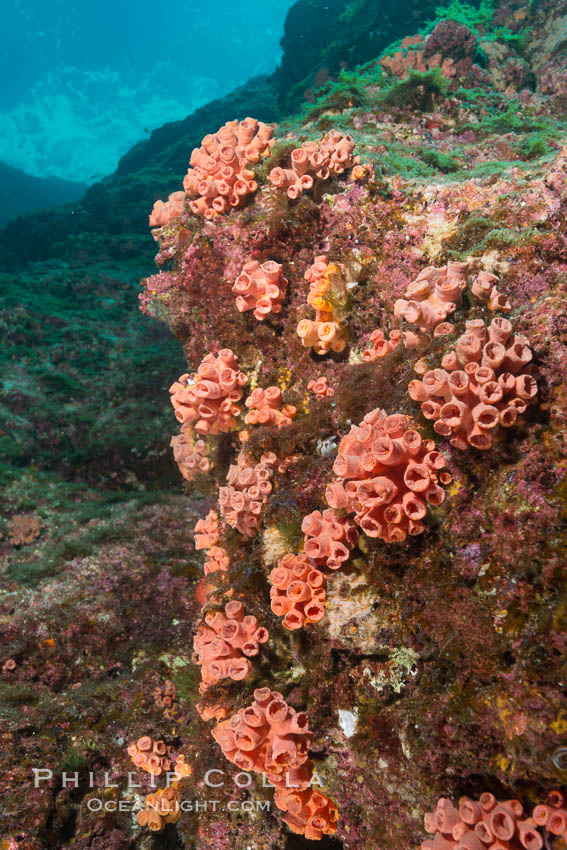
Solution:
(266, 408)
(487, 823)
(387, 477)
(152, 756)
(189, 454)
(218, 179)
(164, 211)
(260, 288)
(208, 399)
(332, 154)
(433, 296)
(298, 591)
(271, 738)
(328, 297)
(484, 382)
(224, 643)
(328, 538)
(248, 486)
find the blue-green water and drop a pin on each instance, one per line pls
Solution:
(83, 81)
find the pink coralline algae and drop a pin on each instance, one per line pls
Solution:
(207, 399)
(484, 382)
(207, 532)
(190, 455)
(331, 155)
(298, 591)
(387, 476)
(320, 387)
(224, 643)
(328, 538)
(271, 738)
(328, 297)
(485, 288)
(248, 487)
(260, 288)
(487, 824)
(151, 756)
(218, 179)
(164, 211)
(266, 408)
(433, 296)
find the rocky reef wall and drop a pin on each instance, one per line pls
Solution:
(365, 579)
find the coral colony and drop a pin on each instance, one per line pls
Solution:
(390, 471)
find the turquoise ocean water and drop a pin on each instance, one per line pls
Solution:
(83, 82)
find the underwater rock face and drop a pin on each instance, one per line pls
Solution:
(420, 674)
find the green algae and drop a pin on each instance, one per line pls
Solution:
(417, 91)
(471, 16)
(443, 162)
(478, 233)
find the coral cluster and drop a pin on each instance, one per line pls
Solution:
(552, 815)
(208, 399)
(218, 179)
(484, 382)
(23, 529)
(328, 538)
(298, 586)
(207, 537)
(247, 489)
(164, 211)
(164, 806)
(161, 808)
(387, 477)
(189, 454)
(320, 387)
(331, 155)
(400, 63)
(485, 287)
(217, 560)
(271, 738)
(207, 532)
(224, 643)
(298, 591)
(328, 297)
(308, 812)
(433, 296)
(265, 408)
(260, 288)
(380, 345)
(152, 756)
(485, 822)
(165, 698)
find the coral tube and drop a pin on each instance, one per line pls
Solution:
(224, 643)
(219, 179)
(485, 383)
(248, 486)
(207, 399)
(260, 288)
(332, 154)
(298, 591)
(387, 476)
